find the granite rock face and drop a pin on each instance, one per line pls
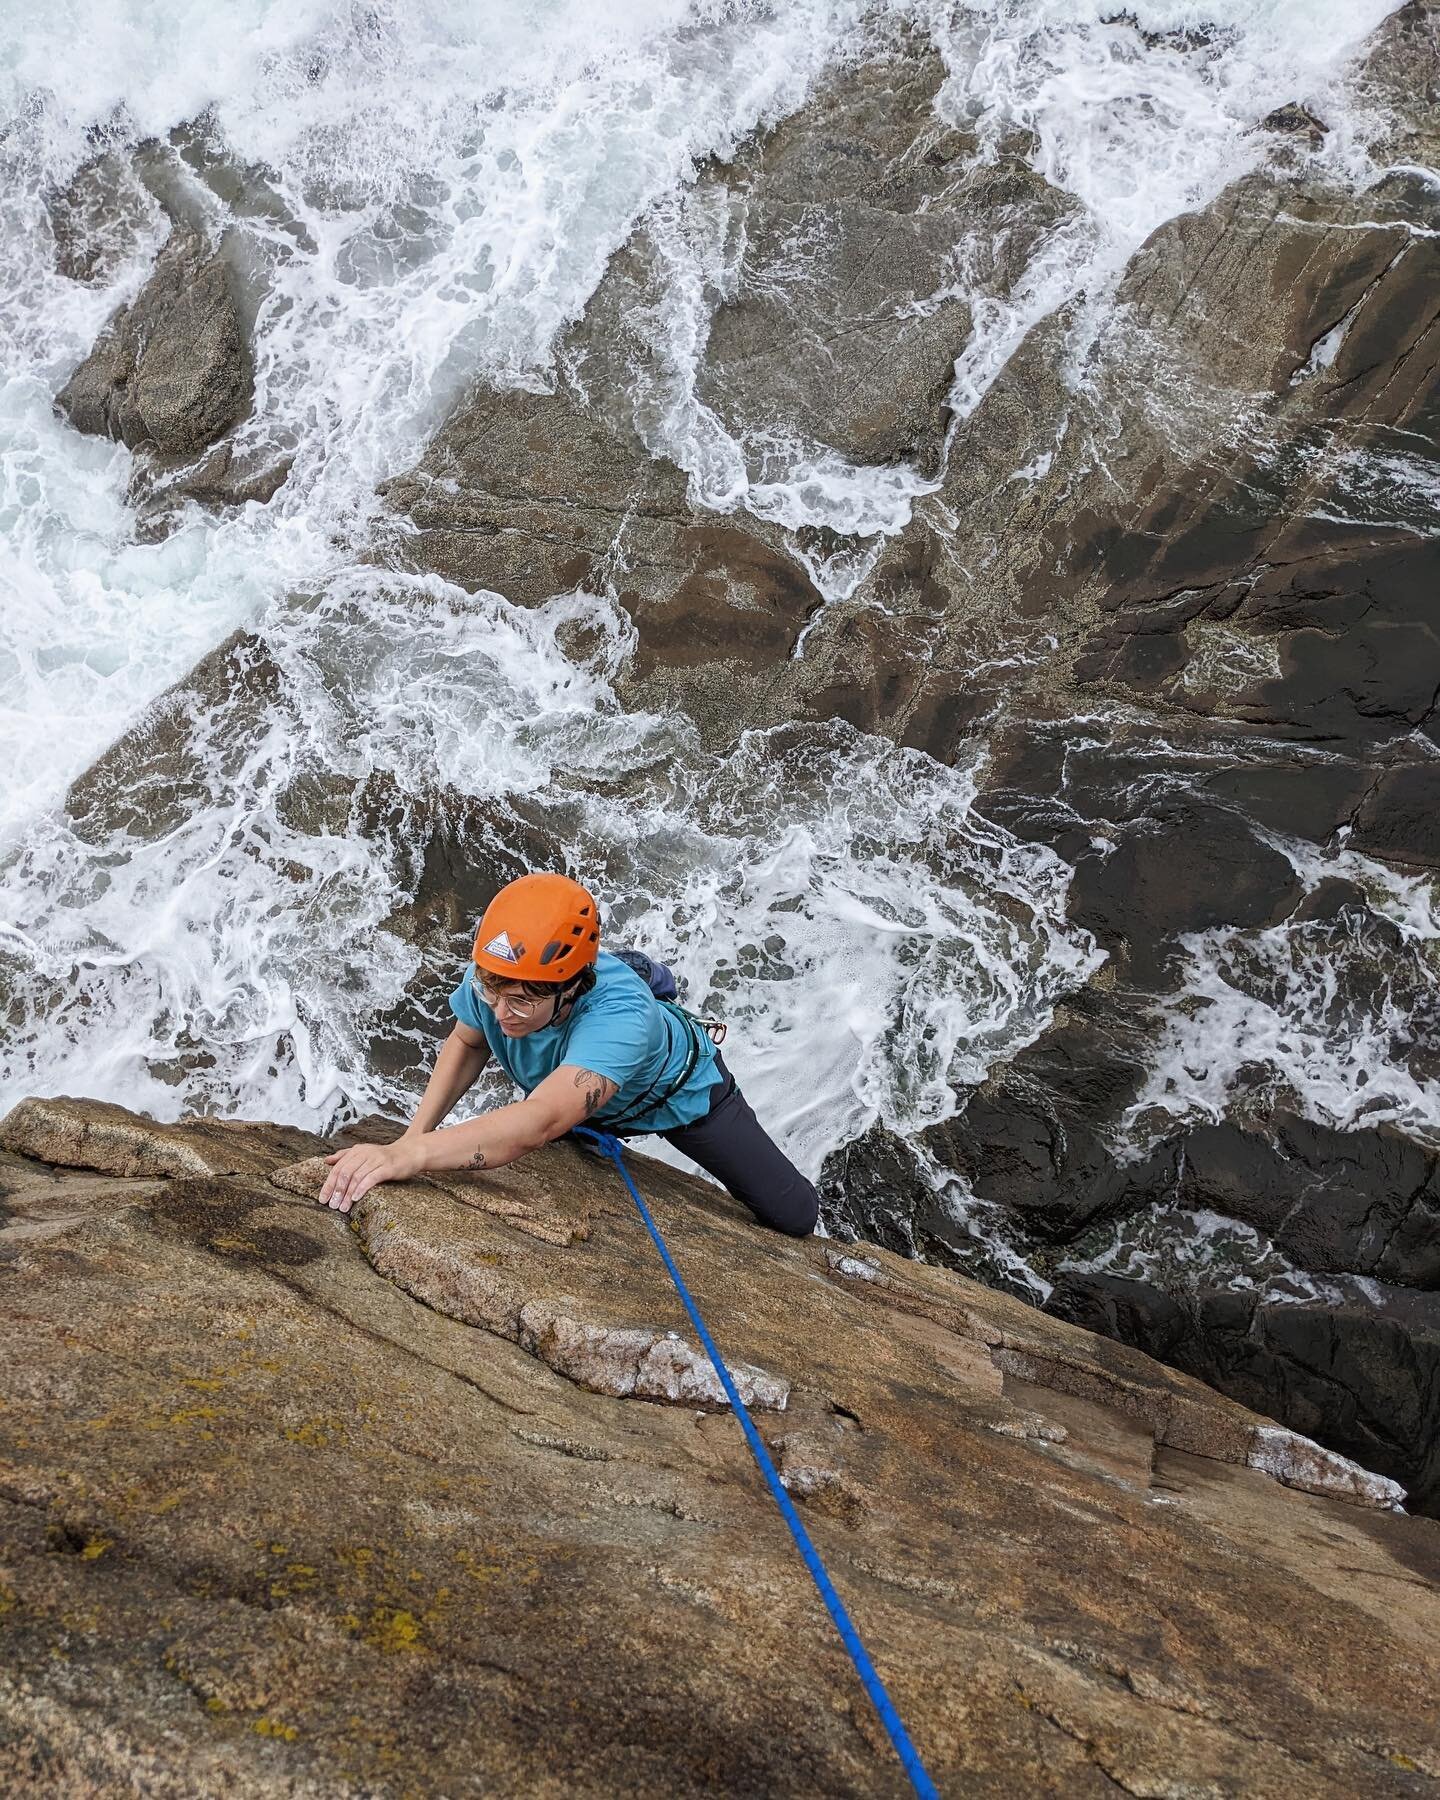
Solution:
(290, 1503)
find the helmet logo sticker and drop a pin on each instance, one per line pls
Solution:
(502, 947)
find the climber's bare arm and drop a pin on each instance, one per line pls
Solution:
(563, 1100)
(457, 1068)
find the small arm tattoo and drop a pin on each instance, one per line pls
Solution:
(477, 1161)
(599, 1090)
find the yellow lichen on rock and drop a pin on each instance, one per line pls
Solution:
(392, 1630)
(273, 1728)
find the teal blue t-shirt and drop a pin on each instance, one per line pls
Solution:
(620, 1030)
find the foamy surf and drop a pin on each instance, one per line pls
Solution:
(426, 199)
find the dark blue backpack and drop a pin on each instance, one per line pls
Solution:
(656, 975)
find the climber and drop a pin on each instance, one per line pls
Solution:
(589, 1043)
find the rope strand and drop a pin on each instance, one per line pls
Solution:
(889, 1717)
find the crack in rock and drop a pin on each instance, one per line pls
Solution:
(626, 1361)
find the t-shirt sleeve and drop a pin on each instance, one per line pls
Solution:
(617, 1043)
(466, 1007)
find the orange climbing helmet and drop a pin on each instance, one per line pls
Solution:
(539, 928)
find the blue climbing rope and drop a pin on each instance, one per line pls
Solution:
(891, 1719)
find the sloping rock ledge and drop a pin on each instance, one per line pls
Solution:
(293, 1504)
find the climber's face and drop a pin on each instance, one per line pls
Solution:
(520, 1007)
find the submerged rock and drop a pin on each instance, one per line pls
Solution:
(99, 218)
(1299, 121)
(260, 1461)
(237, 718)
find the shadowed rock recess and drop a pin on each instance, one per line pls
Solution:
(443, 1499)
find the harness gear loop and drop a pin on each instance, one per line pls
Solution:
(874, 1686)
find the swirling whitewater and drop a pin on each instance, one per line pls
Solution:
(431, 194)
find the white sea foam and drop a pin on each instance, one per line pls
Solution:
(427, 195)
(873, 941)
(431, 194)
(1136, 131)
(1332, 1020)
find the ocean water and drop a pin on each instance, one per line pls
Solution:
(423, 197)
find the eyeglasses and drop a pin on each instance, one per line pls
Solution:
(521, 1006)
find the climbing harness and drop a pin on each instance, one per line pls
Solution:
(648, 1102)
(889, 1717)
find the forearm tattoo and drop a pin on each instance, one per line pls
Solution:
(477, 1161)
(599, 1090)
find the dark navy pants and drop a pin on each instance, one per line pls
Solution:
(731, 1144)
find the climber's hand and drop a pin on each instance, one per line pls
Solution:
(354, 1172)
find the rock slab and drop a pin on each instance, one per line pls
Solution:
(283, 1512)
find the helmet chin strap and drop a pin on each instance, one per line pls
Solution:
(555, 1005)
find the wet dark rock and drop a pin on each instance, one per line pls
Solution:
(171, 371)
(171, 763)
(1358, 651)
(1186, 867)
(846, 218)
(1308, 799)
(1399, 819)
(1052, 1175)
(228, 476)
(1152, 858)
(1333, 897)
(527, 493)
(1402, 80)
(99, 219)
(875, 1188)
(1123, 543)
(841, 234)
(1235, 640)
(531, 495)
(1360, 1371)
(1359, 1202)
(1298, 121)
(1029, 1145)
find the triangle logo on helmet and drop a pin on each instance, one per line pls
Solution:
(502, 947)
